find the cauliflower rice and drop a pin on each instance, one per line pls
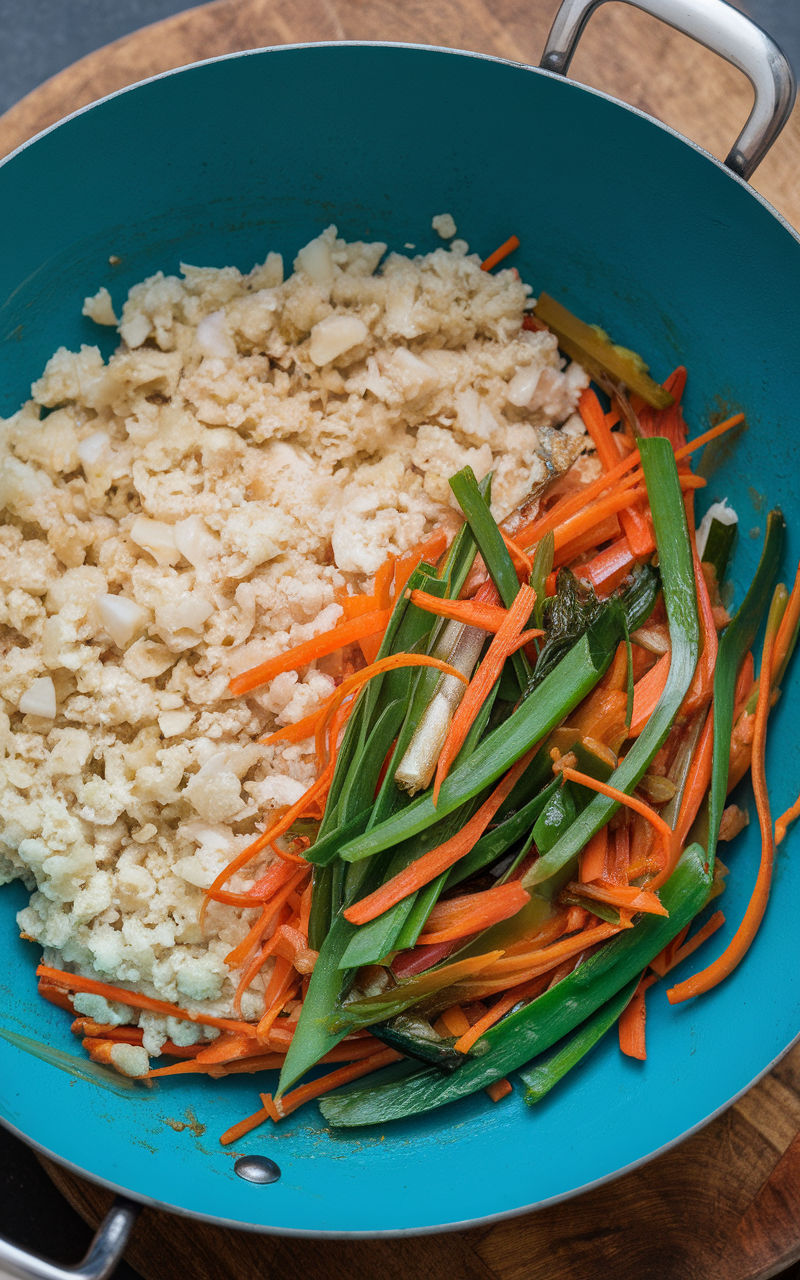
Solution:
(188, 510)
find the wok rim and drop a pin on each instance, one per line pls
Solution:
(572, 1193)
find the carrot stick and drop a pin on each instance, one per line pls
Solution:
(241, 953)
(632, 1022)
(621, 895)
(369, 624)
(646, 694)
(433, 863)
(454, 1021)
(291, 1101)
(488, 617)
(73, 982)
(742, 939)
(237, 1131)
(607, 569)
(57, 996)
(459, 917)
(525, 991)
(634, 523)
(500, 1089)
(708, 436)
(791, 815)
(621, 797)
(508, 246)
(481, 684)
(593, 856)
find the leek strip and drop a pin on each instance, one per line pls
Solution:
(496, 555)
(680, 597)
(540, 1024)
(736, 641)
(542, 1076)
(542, 568)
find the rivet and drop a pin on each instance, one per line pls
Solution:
(257, 1169)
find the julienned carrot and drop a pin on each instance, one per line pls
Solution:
(240, 954)
(742, 939)
(522, 562)
(621, 797)
(511, 970)
(508, 246)
(291, 1101)
(707, 436)
(525, 991)
(676, 955)
(500, 1089)
(454, 1021)
(697, 784)
(629, 897)
(791, 815)
(505, 642)
(632, 1022)
(369, 624)
(73, 982)
(237, 1131)
(433, 863)
(488, 617)
(634, 523)
(283, 986)
(607, 530)
(593, 857)
(459, 917)
(607, 569)
(646, 694)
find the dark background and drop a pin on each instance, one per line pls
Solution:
(38, 38)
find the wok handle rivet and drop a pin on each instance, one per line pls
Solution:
(258, 1169)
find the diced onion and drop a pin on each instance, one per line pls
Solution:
(39, 699)
(121, 617)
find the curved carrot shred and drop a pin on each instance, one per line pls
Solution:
(459, 917)
(241, 953)
(73, 982)
(291, 1101)
(629, 897)
(743, 938)
(475, 613)
(791, 815)
(368, 624)
(429, 549)
(508, 246)
(525, 991)
(631, 802)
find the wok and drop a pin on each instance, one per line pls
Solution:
(626, 223)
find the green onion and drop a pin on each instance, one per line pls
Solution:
(542, 1076)
(677, 575)
(540, 572)
(735, 643)
(538, 1026)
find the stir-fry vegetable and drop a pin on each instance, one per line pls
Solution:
(522, 777)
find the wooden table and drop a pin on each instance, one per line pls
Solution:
(726, 1204)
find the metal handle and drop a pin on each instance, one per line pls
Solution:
(725, 31)
(105, 1251)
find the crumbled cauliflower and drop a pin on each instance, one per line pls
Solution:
(190, 508)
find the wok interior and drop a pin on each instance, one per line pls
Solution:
(627, 226)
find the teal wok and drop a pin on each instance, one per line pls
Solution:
(628, 224)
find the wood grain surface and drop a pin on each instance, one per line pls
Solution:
(725, 1204)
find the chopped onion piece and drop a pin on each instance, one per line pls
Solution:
(121, 617)
(39, 699)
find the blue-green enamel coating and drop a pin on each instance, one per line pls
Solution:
(627, 225)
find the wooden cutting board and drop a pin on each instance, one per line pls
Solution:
(727, 1202)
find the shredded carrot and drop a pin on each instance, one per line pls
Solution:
(291, 1101)
(526, 991)
(504, 643)
(433, 863)
(369, 624)
(708, 436)
(742, 939)
(487, 617)
(697, 784)
(621, 797)
(500, 1089)
(629, 897)
(459, 917)
(632, 1022)
(508, 246)
(455, 1021)
(237, 1131)
(283, 986)
(634, 523)
(522, 562)
(73, 982)
(606, 570)
(673, 955)
(791, 815)
(647, 693)
(241, 953)
(593, 856)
